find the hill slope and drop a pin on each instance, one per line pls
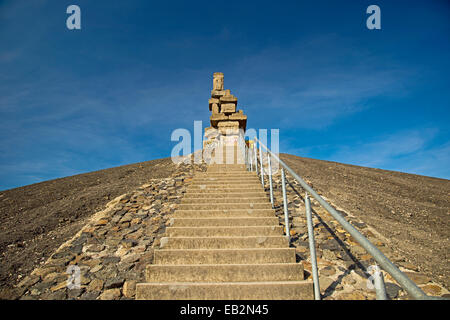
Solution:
(38, 218)
(410, 210)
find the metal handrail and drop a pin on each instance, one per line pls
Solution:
(379, 257)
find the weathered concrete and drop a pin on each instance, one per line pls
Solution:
(224, 242)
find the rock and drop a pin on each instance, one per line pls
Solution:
(114, 283)
(63, 254)
(75, 293)
(29, 281)
(111, 294)
(76, 249)
(358, 224)
(128, 243)
(91, 262)
(59, 286)
(327, 271)
(110, 260)
(355, 295)
(358, 250)
(135, 221)
(35, 292)
(408, 265)
(95, 285)
(55, 277)
(113, 242)
(58, 295)
(122, 251)
(328, 255)
(95, 248)
(44, 285)
(325, 283)
(90, 295)
(348, 280)
(301, 250)
(129, 288)
(96, 268)
(418, 278)
(85, 279)
(127, 218)
(392, 290)
(101, 222)
(330, 244)
(432, 289)
(42, 272)
(130, 258)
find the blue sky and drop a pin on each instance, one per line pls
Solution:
(113, 92)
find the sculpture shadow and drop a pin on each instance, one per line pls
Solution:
(357, 264)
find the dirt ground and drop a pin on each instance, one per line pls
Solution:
(410, 210)
(38, 218)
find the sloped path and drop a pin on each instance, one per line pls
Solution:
(224, 242)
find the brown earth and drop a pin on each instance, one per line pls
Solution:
(38, 218)
(411, 211)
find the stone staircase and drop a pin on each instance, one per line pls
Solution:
(224, 242)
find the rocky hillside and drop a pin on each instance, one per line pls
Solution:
(410, 211)
(38, 218)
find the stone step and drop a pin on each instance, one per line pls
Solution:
(230, 181)
(224, 256)
(268, 290)
(242, 213)
(223, 190)
(236, 183)
(221, 172)
(223, 222)
(245, 174)
(223, 200)
(226, 166)
(244, 231)
(224, 272)
(225, 206)
(222, 177)
(235, 195)
(227, 170)
(224, 242)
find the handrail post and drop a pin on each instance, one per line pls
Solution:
(380, 287)
(379, 257)
(269, 164)
(247, 165)
(312, 248)
(261, 165)
(249, 159)
(245, 158)
(285, 206)
(256, 157)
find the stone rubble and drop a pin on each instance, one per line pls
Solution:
(341, 261)
(113, 250)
